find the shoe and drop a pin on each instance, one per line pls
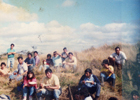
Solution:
(30, 98)
(25, 98)
(96, 97)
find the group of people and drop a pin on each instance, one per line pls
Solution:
(50, 85)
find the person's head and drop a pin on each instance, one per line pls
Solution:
(29, 55)
(55, 53)
(113, 98)
(84, 93)
(70, 55)
(65, 49)
(30, 75)
(117, 50)
(12, 46)
(3, 65)
(105, 63)
(135, 95)
(88, 72)
(48, 73)
(20, 60)
(35, 53)
(49, 56)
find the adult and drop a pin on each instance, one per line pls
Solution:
(51, 84)
(22, 70)
(118, 58)
(57, 61)
(11, 53)
(107, 73)
(37, 59)
(71, 61)
(4, 71)
(30, 85)
(135, 95)
(91, 82)
(64, 54)
(30, 62)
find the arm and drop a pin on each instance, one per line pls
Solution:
(110, 70)
(82, 79)
(33, 62)
(96, 80)
(53, 87)
(59, 54)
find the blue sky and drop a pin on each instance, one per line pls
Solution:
(76, 24)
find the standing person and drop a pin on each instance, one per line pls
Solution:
(30, 84)
(91, 82)
(37, 59)
(11, 53)
(107, 73)
(30, 62)
(22, 70)
(118, 58)
(4, 71)
(64, 54)
(57, 61)
(51, 84)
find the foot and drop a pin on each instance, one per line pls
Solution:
(30, 98)
(25, 98)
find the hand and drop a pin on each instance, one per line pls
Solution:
(15, 73)
(41, 85)
(24, 86)
(47, 87)
(83, 82)
(18, 75)
(92, 83)
(138, 75)
(113, 59)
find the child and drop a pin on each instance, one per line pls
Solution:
(30, 85)
(4, 71)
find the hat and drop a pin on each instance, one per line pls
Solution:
(105, 62)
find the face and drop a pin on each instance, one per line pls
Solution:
(30, 75)
(49, 75)
(54, 54)
(135, 97)
(35, 54)
(87, 74)
(29, 56)
(20, 61)
(117, 51)
(2, 66)
(70, 56)
(48, 57)
(65, 50)
(12, 46)
(106, 65)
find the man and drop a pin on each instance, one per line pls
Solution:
(70, 61)
(64, 55)
(11, 53)
(22, 70)
(107, 73)
(91, 82)
(51, 84)
(30, 62)
(57, 61)
(36, 57)
(4, 71)
(118, 57)
(135, 95)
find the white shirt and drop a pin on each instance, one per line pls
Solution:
(57, 61)
(119, 58)
(88, 98)
(22, 68)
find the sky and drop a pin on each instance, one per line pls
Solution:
(76, 24)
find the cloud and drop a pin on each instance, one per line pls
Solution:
(10, 13)
(68, 3)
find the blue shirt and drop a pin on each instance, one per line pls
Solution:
(57, 61)
(8, 51)
(30, 61)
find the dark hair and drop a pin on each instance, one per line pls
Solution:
(49, 55)
(105, 61)
(12, 44)
(20, 58)
(3, 63)
(84, 92)
(48, 70)
(29, 54)
(113, 98)
(70, 53)
(88, 70)
(35, 52)
(134, 93)
(54, 51)
(117, 48)
(31, 73)
(64, 48)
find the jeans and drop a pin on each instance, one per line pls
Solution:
(73, 66)
(45, 67)
(15, 77)
(30, 89)
(55, 93)
(10, 62)
(107, 77)
(30, 68)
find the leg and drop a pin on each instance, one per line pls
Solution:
(31, 91)
(56, 94)
(74, 68)
(25, 90)
(103, 77)
(42, 92)
(40, 67)
(113, 79)
(8, 62)
(12, 62)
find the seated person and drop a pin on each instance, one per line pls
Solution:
(70, 61)
(84, 94)
(51, 84)
(118, 58)
(135, 95)
(4, 70)
(30, 62)
(57, 61)
(91, 82)
(107, 73)
(22, 70)
(37, 59)
(30, 85)
(64, 55)
(113, 98)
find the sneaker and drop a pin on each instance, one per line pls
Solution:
(25, 98)
(30, 98)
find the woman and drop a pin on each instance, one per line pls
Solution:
(30, 85)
